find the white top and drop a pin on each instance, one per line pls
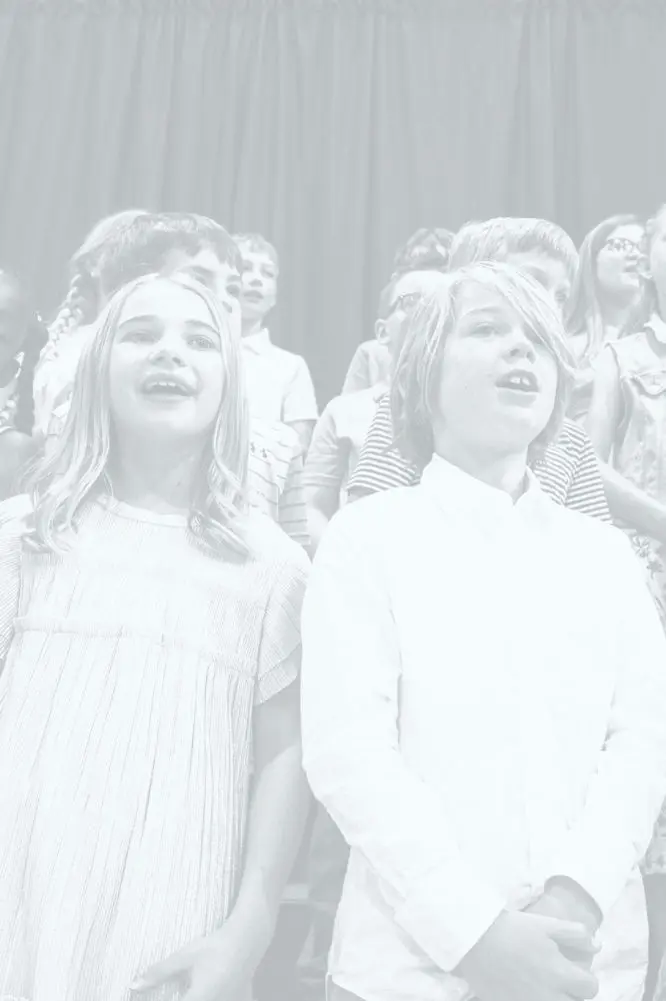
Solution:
(279, 383)
(484, 706)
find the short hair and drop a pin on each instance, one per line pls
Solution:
(414, 386)
(152, 238)
(426, 250)
(584, 314)
(258, 244)
(496, 239)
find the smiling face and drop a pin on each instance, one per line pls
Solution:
(258, 284)
(618, 261)
(166, 373)
(498, 382)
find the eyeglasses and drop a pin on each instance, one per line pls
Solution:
(622, 245)
(404, 303)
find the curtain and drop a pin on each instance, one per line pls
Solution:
(334, 127)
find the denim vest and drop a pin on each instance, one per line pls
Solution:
(640, 445)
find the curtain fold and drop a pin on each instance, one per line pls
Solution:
(335, 127)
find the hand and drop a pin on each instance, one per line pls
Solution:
(219, 967)
(567, 902)
(520, 958)
(554, 905)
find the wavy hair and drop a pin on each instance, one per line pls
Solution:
(77, 466)
(416, 379)
(584, 313)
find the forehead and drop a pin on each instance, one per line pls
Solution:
(628, 231)
(206, 259)
(475, 297)
(259, 258)
(549, 271)
(166, 301)
(423, 282)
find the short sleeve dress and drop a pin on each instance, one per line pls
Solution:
(132, 667)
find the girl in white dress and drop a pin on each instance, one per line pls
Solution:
(151, 794)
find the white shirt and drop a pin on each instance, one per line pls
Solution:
(279, 383)
(484, 706)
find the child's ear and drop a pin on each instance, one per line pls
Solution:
(380, 332)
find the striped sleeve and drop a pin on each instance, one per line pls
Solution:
(586, 492)
(381, 466)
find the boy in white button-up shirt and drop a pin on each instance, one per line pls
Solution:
(484, 698)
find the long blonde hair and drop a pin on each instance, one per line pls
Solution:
(416, 380)
(76, 467)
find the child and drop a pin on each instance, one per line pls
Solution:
(22, 338)
(567, 469)
(279, 382)
(152, 794)
(201, 249)
(607, 294)
(342, 429)
(426, 250)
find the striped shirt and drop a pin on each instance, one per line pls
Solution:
(568, 470)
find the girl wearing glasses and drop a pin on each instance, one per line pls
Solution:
(607, 290)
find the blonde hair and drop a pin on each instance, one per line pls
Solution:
(76, 467)
(416, 380)
(259, 244)
(496, 239)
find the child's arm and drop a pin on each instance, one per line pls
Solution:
(223, 964)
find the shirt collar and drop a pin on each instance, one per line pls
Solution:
(257, 343)
(455, 491)
(658, 327)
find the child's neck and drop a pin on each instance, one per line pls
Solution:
(152, 481)
(251, 326)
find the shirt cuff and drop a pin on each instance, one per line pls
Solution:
(602, 878)
(447, 921)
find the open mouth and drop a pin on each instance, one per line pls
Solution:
(520, 381)
(166, 388)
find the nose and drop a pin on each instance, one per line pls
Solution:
(520, 346)
(169, 349)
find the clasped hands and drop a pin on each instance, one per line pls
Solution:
(543, 953)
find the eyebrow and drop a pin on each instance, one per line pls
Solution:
(156, 321)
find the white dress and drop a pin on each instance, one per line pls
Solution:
(133, 666)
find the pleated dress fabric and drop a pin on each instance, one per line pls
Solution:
(133, 666)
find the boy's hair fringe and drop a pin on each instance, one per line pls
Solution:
(417, 373)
